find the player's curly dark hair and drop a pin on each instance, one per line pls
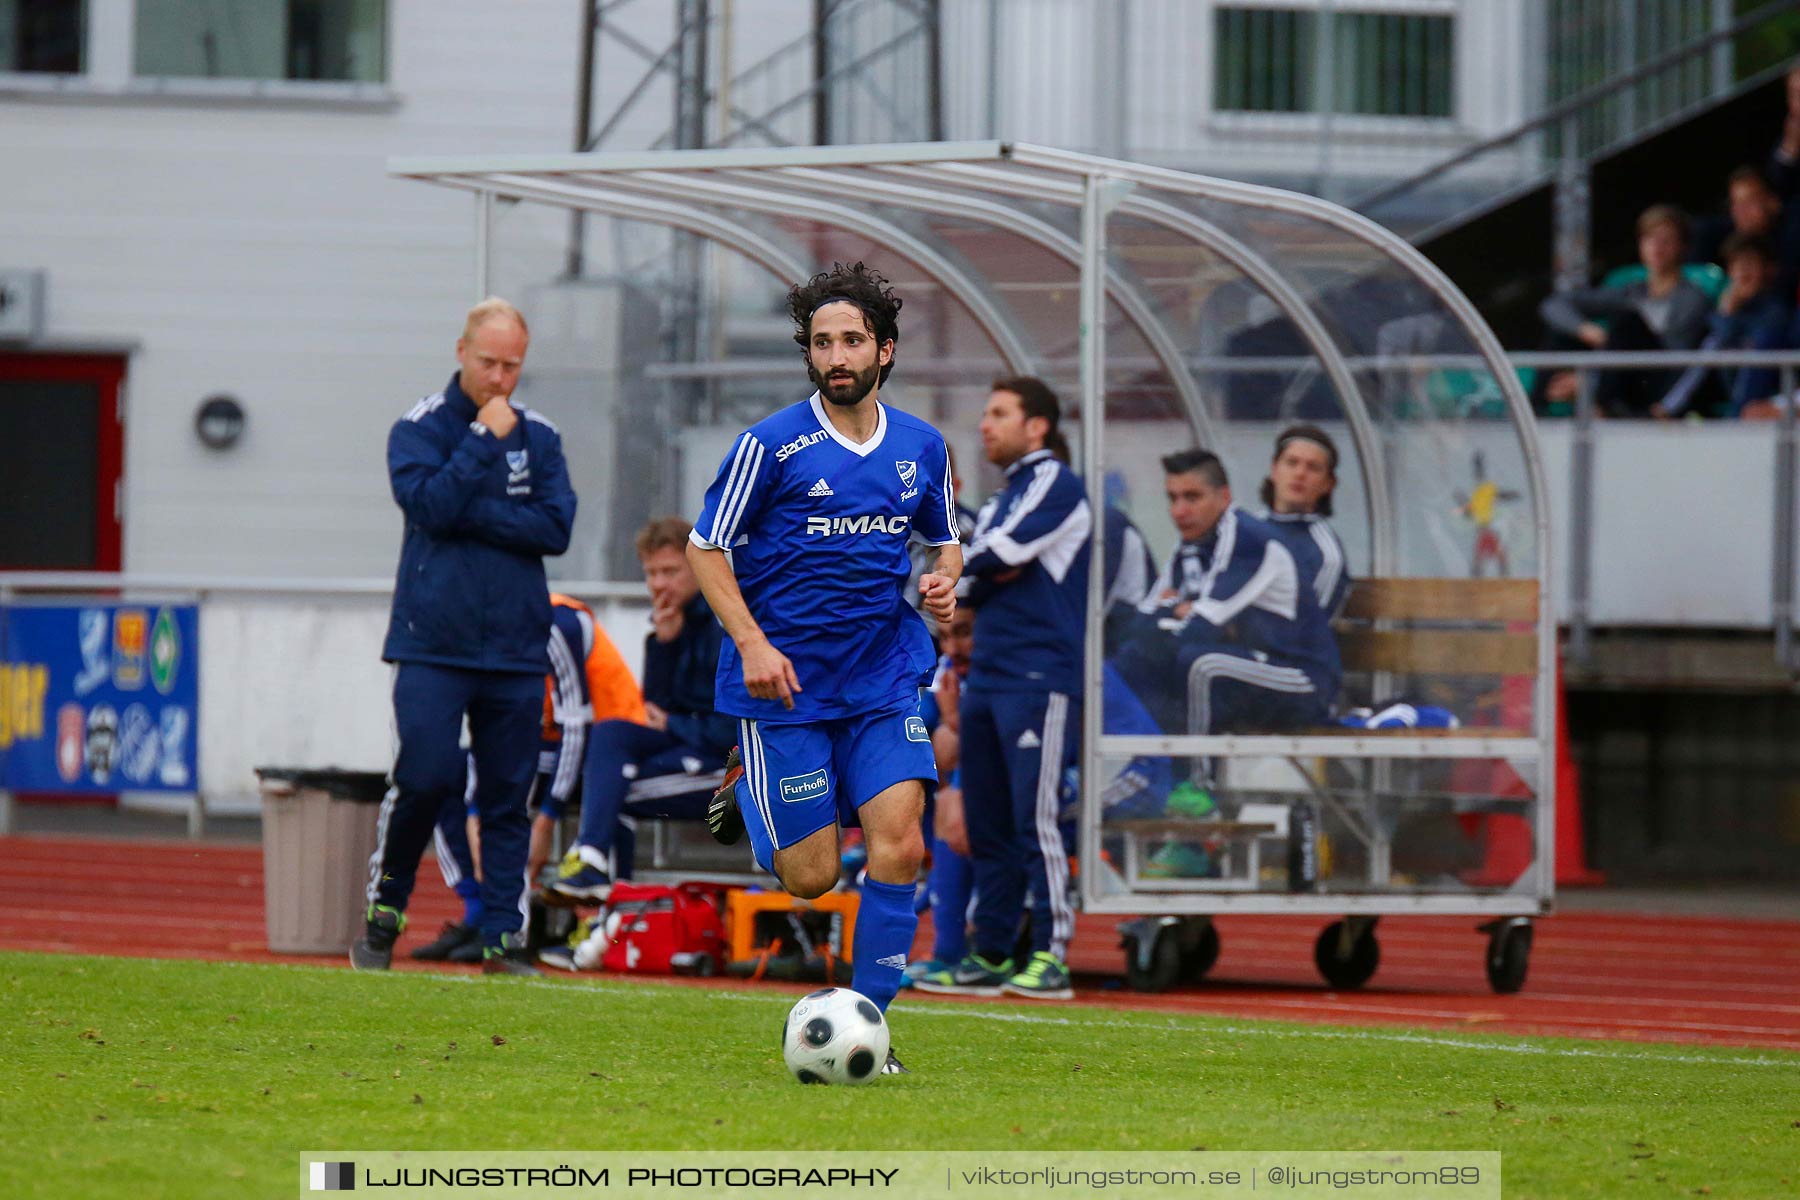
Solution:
(858, 284)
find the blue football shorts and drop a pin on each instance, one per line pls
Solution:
(800, 778)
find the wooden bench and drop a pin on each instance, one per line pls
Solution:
(1400, 629)
(1404, 628)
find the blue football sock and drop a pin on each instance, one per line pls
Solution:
(885, 925)
(952, 879)
(473, 909)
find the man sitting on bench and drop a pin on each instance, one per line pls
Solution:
(683, 743)
(1228, 613)
(1296, 498)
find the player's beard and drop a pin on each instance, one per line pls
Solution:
(847, 395)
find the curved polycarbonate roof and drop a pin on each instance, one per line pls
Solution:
(1229, 304)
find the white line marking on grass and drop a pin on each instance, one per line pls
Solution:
(971, 1012)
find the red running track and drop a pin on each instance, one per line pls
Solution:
(1710, 980)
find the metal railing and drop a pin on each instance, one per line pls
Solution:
(1583, 500)
(1531, 154)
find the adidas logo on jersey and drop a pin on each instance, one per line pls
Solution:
(821, 488)
(1029, 740)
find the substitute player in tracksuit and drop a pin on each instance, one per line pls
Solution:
(486, 496)
(671, 754)
(1021, 707)
(1296, 498)
(1226, 641)
(801, 552)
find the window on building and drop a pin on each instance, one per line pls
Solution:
(42, 36)
(339, 40)
(1383, 64)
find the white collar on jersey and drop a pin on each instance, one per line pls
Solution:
(862, 449)
(1025, 460)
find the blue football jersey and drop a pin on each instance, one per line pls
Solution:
(817, 528)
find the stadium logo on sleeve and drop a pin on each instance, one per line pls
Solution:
(800, 443)
(796, 788)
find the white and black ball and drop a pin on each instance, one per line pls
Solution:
(834, 1035)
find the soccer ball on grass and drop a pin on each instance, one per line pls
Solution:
(834, 1035)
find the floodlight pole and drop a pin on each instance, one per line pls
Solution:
(1100, 194)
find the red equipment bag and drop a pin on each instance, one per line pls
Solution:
(662, 930)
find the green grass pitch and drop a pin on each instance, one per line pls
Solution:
(136, 1078)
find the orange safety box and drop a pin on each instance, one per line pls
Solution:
(742, 907)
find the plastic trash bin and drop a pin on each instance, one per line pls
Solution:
(318, 829)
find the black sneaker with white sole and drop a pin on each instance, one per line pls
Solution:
(723, 819)
(892, 1065)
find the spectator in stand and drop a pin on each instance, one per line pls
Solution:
(1751, 316)
(1752, 209)
(1783, 167)
(1663, 312)
(682, 741)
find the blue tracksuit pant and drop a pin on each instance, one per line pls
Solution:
(621, 753)
(504, 710)
(1015, 747)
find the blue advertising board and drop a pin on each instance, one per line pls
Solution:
(99, 698)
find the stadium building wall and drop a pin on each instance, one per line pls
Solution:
(240, 240)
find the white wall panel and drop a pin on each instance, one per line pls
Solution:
(261, 250)
(298, 681)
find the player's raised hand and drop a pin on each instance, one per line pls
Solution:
(769, 675)
(939, 595)
(666, 619)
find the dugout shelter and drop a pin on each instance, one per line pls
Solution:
(1184, 310)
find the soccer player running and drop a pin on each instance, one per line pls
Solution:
(801, 551)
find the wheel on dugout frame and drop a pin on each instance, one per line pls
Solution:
(1508, 953)
(1351, 967)
(1152, 954)
(1199, 948)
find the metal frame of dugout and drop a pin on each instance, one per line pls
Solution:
(1150, 257)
